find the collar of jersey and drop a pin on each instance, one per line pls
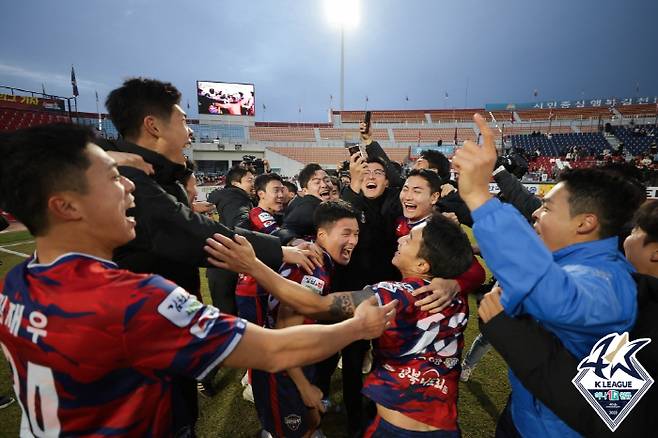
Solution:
(33, 265)
(415, 280)
(419, 221)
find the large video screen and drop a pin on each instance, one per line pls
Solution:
(222, 98)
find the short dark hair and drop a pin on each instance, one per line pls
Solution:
(330, 212)
(307, 173)
(646, 218)
(38, 162)
(433, 180)
(261, 181)
(236, 174)
(437, 161)
(138, 98)
(611, 197)
(445, 247)
(291, 186)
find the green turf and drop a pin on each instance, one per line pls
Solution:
(227, 415)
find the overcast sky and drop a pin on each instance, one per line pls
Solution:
(477, 51)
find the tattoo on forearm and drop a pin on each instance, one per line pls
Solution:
(343, 304)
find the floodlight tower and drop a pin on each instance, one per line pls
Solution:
(345, 14)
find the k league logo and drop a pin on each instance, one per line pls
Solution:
(611, 379)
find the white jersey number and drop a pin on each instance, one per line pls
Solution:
(40, 381)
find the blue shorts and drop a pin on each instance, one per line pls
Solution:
(253, 309)
(380, 428)
(279, 405)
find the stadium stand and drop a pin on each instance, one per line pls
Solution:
(282, 133)
(565, 113)
(350, 134)
(13, 119)
(452, 115)
(329, 155)
(637, 139)
(412, 116)
(433, 134)
(560, 144)
(648, 110)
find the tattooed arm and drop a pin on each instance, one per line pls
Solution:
(333, 307)
(238, 256)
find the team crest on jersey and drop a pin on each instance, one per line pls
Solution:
(179, 307)
(611, 379)
(205, 322)
(313, 283)
(293, 421)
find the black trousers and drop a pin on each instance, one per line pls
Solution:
(222, 285)
(353, 354)
(505, 427)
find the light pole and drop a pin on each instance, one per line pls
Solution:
(342, 67)
(343, 13)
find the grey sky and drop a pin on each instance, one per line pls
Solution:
(417, 48)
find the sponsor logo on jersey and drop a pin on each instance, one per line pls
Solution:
(268, 223)
(611, 379)
(265, 216)
(313, 283)
(179, 307)
(293, 421)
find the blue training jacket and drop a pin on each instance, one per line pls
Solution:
(580, 293)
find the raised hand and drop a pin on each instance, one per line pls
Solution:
(475, 164)
(375, 319)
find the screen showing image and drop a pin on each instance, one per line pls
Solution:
(221, 98)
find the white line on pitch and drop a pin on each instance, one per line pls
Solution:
(20, 254)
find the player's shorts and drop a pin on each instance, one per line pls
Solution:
(253, 309)
(280, 408)
(380, 428)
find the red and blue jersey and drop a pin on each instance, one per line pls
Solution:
(319, 282)
(93, 347)
(263, 221)
(403, 225)
(252, 302)
(416, 362)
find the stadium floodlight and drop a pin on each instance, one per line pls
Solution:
(344, 13)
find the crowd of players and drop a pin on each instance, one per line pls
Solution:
(106, 334)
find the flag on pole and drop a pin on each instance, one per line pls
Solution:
(43, 89)
(455, 136)
(366, 98)
(74, 83)
(406, 98)
(188, 103)
(535, 92)
(97, 97)
(264, 107)
(446, 95)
